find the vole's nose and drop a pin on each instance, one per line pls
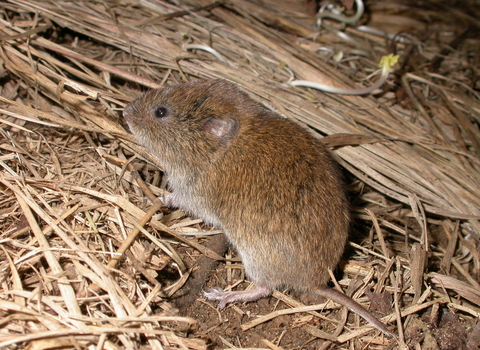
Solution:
(128, 112)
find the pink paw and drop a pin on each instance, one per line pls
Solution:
(225, 298)
(218, 295)
(168, 201)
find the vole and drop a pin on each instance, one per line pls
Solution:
(271, 186)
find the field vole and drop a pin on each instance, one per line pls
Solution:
(265, 181)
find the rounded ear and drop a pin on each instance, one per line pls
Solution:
(224, 128)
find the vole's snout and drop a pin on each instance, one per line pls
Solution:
(129, 112)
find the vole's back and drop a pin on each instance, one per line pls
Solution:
(279, 198)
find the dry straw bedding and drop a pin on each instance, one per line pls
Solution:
(69, 199)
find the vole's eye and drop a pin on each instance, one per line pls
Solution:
(161, 112)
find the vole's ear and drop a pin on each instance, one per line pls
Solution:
(223, 128)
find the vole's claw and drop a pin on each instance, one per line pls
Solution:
(214, 294)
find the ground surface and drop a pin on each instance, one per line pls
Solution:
(89, 259)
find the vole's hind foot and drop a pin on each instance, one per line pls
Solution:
(231, 297)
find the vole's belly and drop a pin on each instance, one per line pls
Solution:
(278, 263)
(197, 206)
(197, 211)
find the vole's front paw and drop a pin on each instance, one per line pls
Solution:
(168, 200)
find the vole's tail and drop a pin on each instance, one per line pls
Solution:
(345, 300)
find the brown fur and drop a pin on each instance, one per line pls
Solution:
(265, 181)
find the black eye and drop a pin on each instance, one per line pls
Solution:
(162, 112)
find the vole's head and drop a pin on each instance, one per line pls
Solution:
(188, 122)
